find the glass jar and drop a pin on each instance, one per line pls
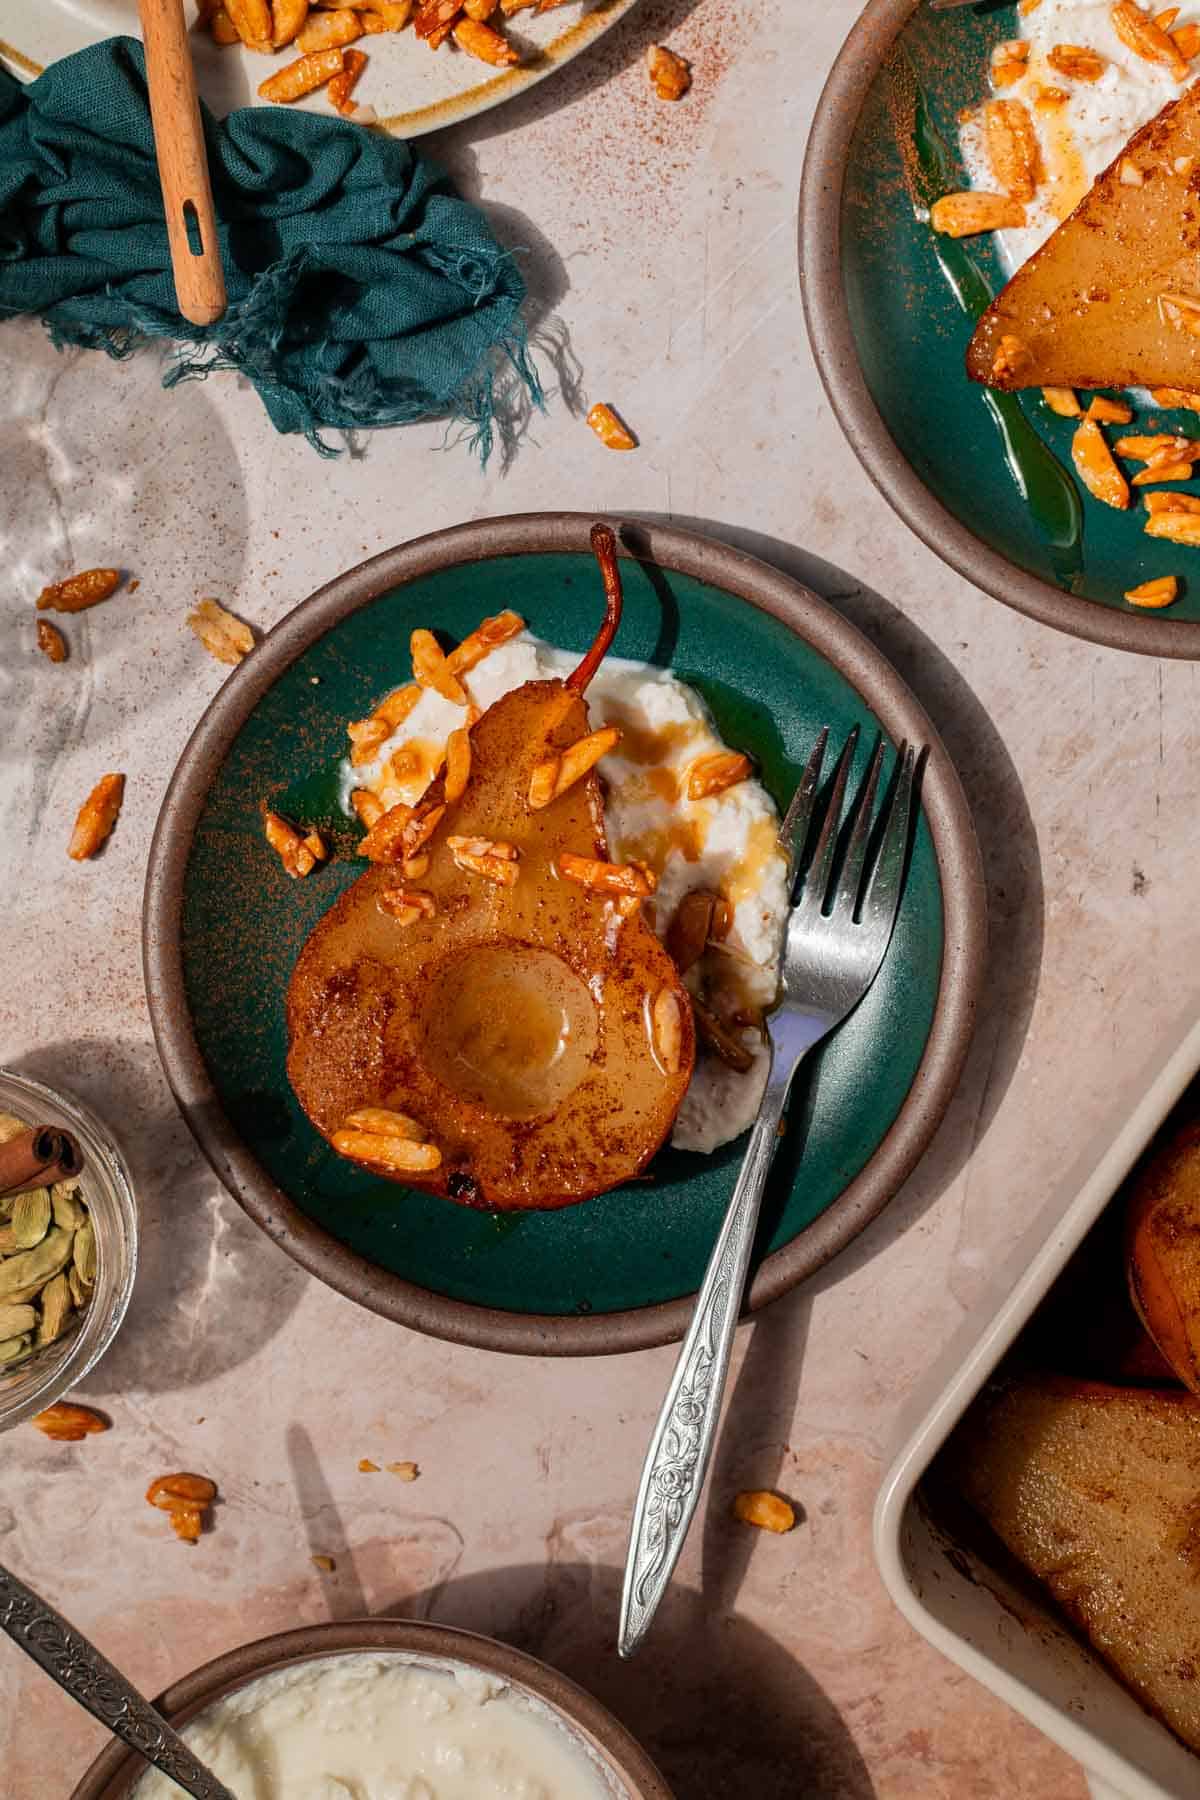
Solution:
(106, 1190)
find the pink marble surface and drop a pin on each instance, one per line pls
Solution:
(662, 244)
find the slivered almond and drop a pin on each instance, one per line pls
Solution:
(1168, 502)
(387, 1152)
(1076, 62)
(667, 1030)
(1094, 462)
(366, 736)
(1138, 31)
(1179, 527)
(458, 765)
(485, 638)
(494, 859)
(1164, 471)
(552, 778)
(367, 805)
(972, 211)
(1011, 358)
(1154, 594)
(1175, 397)
(295, 852)
(430, 668)
(384, 1123)
(384, 842)
(406, 906)
(605, 877)
(420, 828)
(1012, 148)
(1187, 39)
(399, 703)
(1109, 412)
(486, 45)
(1062, 401)
(713, 774)
(1158, 447)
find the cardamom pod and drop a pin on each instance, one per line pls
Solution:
(69, 1210)
(31, 1218)
(15, 1349)
(81, 1293)
(84, 1253)
(22, 1276)
(56, 1310)
(11, 1126)
(16, 1320)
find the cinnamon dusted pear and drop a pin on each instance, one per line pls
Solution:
(1112, 298)
(501, 1026)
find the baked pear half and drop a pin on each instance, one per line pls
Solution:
(486, 1013)
(1112, 298)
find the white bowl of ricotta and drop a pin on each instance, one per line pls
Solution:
(387, 1709)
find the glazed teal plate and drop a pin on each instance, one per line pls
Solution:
(224, 927)
(890, 310)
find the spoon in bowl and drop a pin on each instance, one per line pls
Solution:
(76, 1665)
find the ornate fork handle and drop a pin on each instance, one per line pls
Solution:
(90, 1679)
(681, 1445)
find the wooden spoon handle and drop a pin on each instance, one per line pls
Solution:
(182, 163)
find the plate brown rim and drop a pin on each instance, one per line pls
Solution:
(682, 552)
(110, 1775)
(836, 354)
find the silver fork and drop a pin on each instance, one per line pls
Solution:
(837, 934)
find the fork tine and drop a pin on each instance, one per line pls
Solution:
(793, 833)
(850, 878)
(886, 879)
(816, 880)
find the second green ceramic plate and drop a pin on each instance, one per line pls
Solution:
(223, 928)
(890, 338)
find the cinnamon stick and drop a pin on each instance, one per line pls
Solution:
(38, 1157)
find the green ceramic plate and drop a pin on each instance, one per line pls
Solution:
(890, 338)
(223, 929)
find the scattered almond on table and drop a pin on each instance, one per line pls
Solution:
(51, 642)
(367, 1467)
(610, 429)
(767, 1511)
(80, 591)
(670, 75)
(184, 1498)
(407, 1471)
(97, 816)
(299, 852)
(222, 635)
(68, 1423)
(326, 1564)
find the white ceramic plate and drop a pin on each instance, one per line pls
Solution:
(412, 88)
(945, 1589)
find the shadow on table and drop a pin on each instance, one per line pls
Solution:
(210, 1290)
(721, 1708)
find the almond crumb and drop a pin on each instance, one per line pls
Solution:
(367, 1467)
(407, 1471)
(326, 1564)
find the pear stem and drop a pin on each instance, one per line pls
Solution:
(604, 547)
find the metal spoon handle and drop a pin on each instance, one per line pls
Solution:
(682, 1441)
(90, 1679)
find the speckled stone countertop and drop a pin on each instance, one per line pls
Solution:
(661, 244)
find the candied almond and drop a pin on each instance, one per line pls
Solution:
(68, 1423)
(1163, 471)
(386, 1151)
(407, 1471)
(972, 211)
(399, 703)
(1012, 148)
(458, 765)
(1154, 594)
(768, 1511)
(670, 75)
(431, 670)
(486, 45)
(287, 16)
(1062, 401)
(1179, 527)
(485, 638)
(1139, 33)
(1159, 446)
(1011, 358)
(367, 805)
(79, 591)
(690, 928)
(304, 75)
(1076, 62)
(713, 774)
(420, 828)
(97, 816)
(406, 905)
(51, 642)
(1109, 412)
(613, 878)
(354, 64)
(1171, 502)
(552, 778)
(610, 429)
(168, 1491)
(294, 850)
(494, 859)
(1094, 462)
(1187, 39)
(384, 1123)
(222, 635)
(384, 841)
(326, 1564)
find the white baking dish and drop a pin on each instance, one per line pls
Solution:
(945, 1589)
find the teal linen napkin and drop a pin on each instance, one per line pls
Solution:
(362, 290)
